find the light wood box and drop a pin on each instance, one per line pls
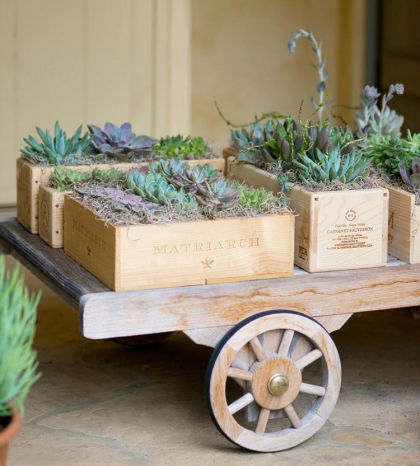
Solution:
(30, 177)
(337, 230)
(403, 226)
(177, 254)
(51, 203)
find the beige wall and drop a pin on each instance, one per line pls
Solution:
(240, 58)
(162, 63)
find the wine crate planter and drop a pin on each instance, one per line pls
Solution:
(179, 253)
(51, 204)
(403, 226)
(30, 177)
(335, 230)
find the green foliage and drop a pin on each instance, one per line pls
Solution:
(64, 178)
(18, 366)
(389, 152)
(257, 199)
(330, 167)
(107, 176)
(178, 146)
(57, 150)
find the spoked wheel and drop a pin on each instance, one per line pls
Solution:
(268, 356)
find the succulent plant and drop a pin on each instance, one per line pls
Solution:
(122, 200)
(107, 176)
(257, 199)
(57, 150)
(64, 178)
(119, 141)
(179, 146)
(333, 166)
(218, 195)
(411, 177)
(374, 120)
(153, 186)
(323, 75)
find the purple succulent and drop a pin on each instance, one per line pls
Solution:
(119, 140)
(411, 179)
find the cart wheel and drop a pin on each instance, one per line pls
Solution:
(267, 354)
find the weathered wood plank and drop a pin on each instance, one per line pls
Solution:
(54, 268)
(320, 294)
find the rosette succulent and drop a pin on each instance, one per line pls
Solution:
(119, 140)
(180, 146)
(64, 178)
(57, 149)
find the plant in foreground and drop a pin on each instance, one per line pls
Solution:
(18, 366)
(57, 150)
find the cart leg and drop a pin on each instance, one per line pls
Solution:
(271, 353)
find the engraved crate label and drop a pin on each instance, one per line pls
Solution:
(349, 236)
(391, 220)
(178, 248)
(207, 263)
(45, 213)
(303, 253)
(78, 226)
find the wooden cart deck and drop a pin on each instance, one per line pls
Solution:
(105, 314)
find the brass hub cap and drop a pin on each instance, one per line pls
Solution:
(278, 384)
(275, 383)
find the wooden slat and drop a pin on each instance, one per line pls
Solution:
(57, 270)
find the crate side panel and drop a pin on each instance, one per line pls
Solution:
(301, 202)
(350, 229)
(89, 241)
(402, 232)
(51, 216)
(252, 176)
(196, 252)
(415, 235)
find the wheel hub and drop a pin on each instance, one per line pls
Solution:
(278, 384)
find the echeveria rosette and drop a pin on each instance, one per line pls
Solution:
(411, 179)
(119, 140)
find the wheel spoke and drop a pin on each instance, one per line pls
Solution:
(258, 349)
(262, 421)
(271, 341)
(293, 416)
(285, 343)
(239, 374)
(240, 403)
(312, 389)
(308, 359)
(299, 347)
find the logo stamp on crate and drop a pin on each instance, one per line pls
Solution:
(303, 253)
(45, 213)
(350, 215)
(207, 263)
(78, 226)
(177, 248)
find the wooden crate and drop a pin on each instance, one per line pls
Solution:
(403, 226)
(337, 230)
(30, 177)
(177, 254)
(51, 204)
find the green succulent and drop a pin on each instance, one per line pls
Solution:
(64, 178)
(330, 167)
(256, 199)
(389, 152)
(57, 150)
(18, 366)
(179, 146)
(153, 186)
(219, 195)
(107, 176)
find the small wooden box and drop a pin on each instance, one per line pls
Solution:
(30, 177)
(178, 254)
(51, 203)
(403, 226)
(335, 230)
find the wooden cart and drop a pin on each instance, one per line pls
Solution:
(267, 334)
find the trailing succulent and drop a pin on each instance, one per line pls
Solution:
(411, 175)
(183, 147)
(119, 141)
(57, 149)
